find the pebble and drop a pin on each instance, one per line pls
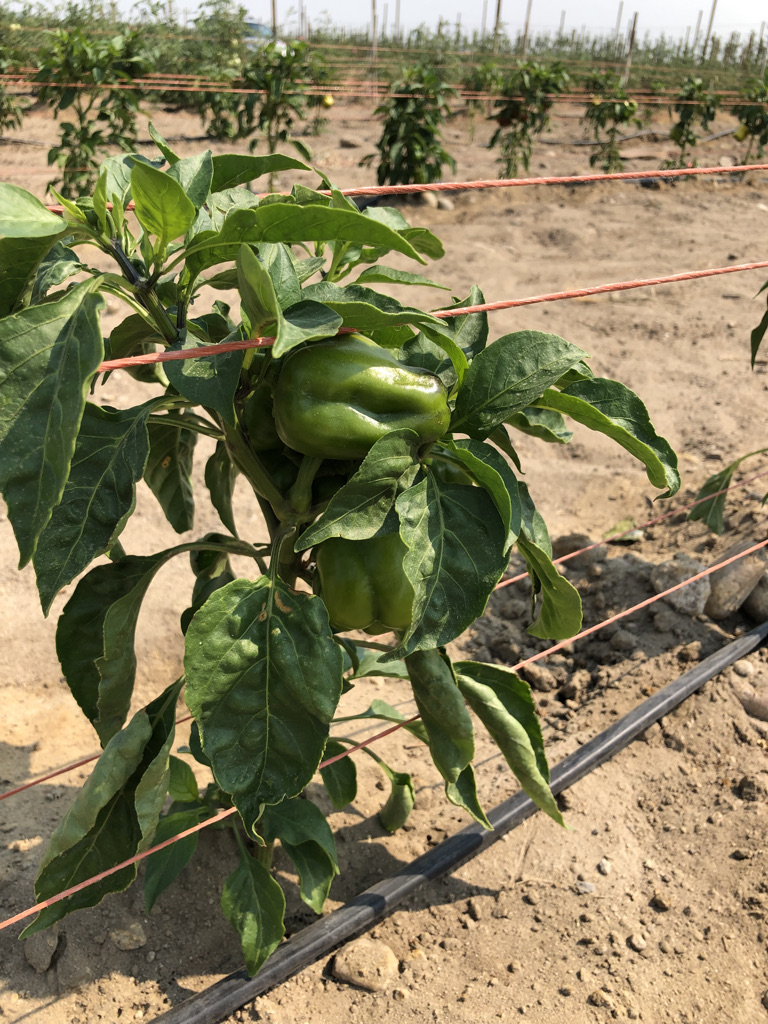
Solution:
(474, 909)
(444, 203)
(132, 937)
(636, 942)
(754, 702)
(756, 603)
(600, 998)
(740, 854)
(732, 585)
(401, 994)
(743, 668)
(367, 963)
(689, 600)
(539, 677)
(40, 947)
(584, 888)
(748, 788)
(604, 866)
(660, 902)
(428, 199)
(623, 640)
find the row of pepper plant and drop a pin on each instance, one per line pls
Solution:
(377, 440)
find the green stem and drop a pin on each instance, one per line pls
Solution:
(254, 471)
(300, 494)
(145, 294)
(188, 424)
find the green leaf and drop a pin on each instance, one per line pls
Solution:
(364, 309)
(134, 337)
(493, 474)
(207, 380)
(306, 837)
(220, 476)
(162, 145)
(339, 778)
(49, 355)
(359, 508)
(24, 216)
(421, 239)
(58, 264)
(463, 793)
(559, 615)
(388, 275)
(99, 496)
(304, 321)
(119, 168)
(470, 331)
(456, 556)
(614, 410)
(503, 703)
(257, 292)
(546, 424)
(292, 224)
(756, 336)
(280, 264)
(20, 259)
(100, 201)
(194, 174)
(94, 638)
(162, 208)
(114, 814)
(710, 512)
(263, 681)
(254, 905)
(370, 664)
(443, 713)
(509, 375)
(169, 471)
(182, 785)
(230, 169)
(165, 866)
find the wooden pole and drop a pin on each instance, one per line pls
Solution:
(397, 19)
(497, 23)
(384, 22)
(484, 21)
(709, 29)
(561, 30)
(698, 30)
(630, 48)
(527, 27)
(274, 19)
(687, 37)
(618, 22)
(765, 52)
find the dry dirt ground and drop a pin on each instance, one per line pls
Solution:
(654, 904)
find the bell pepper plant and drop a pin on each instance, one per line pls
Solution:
(377, 440)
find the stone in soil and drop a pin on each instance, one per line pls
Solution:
(539, 677)
(40, 947)
(732, 585)
(132, 937)
(756, 602)
(636, 942)
(367, 963)
(604, 866)
(754, 702)
(575, 542)
(689, 600)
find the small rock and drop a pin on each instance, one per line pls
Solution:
(600, 998)
(539, 677)
(132, 937)
(665, 620)
(748, 788)
(428, 199)
(660, 902)
(741, 855)
(564, 991)
(689, 600)
(732, 585)
(754, 702)
(604, 866)
(636, 942)
(40, 947)
(345, 142)
(691, 652)
(764, 1000)
(400, 994)
(756, 603)
(72, 970)
(673, 741)
(743, 668)
(584, 888)
(623, 640)
(367, 963)
(571, 542)
(444, 203)
(474, 909)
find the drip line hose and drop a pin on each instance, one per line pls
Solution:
(319, 939)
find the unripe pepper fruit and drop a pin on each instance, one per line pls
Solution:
(363, 584)
(335, 397)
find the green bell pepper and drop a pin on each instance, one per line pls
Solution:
(335, 397)
(363, 584)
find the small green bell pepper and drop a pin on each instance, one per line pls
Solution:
(335, 397)
(363, 584)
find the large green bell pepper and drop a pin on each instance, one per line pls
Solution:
(335, 397)
(363, 584)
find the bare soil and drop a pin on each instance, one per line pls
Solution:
(654, 904)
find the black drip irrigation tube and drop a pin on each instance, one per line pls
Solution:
(321, 938)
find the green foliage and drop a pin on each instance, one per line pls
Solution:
(264, 667)
(77, 72)
(753, 117)
(696, 107)
(410, 147)
(610, 110)
(523, 113)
